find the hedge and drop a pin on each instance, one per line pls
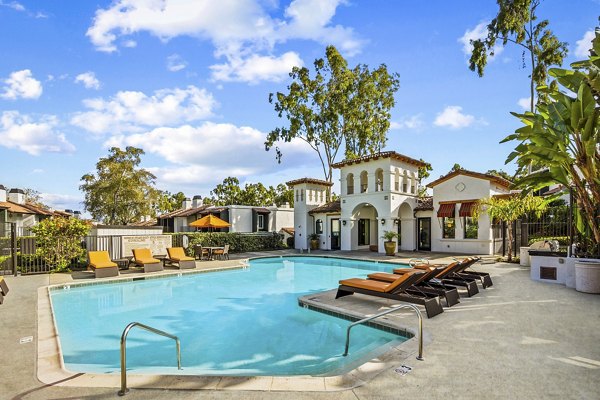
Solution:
(238, 242)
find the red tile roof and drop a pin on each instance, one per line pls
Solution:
(309, 180)
(332, 207)
(424, 204)
(385, 154)
(492, 178)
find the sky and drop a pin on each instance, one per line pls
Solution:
(189, 81)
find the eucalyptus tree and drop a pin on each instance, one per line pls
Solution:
(564, 135)
(337, 107)
(516, 22)
(120, 192)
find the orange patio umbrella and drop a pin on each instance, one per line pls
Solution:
(210, 221)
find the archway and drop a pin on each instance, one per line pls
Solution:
(406, 227)
(365, 229)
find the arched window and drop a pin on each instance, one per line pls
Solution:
(301, 194)
(297, 195)
(350, 184)
(397, 180)
(364, 182)
(319, 227)
(379, 180)
(405, 182)
(413, 184)
(310, 195)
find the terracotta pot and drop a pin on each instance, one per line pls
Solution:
(314, 244)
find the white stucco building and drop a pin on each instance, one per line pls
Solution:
(379, 193)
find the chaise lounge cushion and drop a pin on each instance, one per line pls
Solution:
(144, 256)
(177, 254)
(100, 259)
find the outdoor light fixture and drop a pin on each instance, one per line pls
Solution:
(397, 221)
(344, 222)
(382, 221)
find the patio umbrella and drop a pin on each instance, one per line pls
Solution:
(210, 221)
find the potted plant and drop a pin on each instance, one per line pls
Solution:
(390, 243)
(314, 241)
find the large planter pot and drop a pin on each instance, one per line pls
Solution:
(587, 276)
(314, 244)
(390, 248)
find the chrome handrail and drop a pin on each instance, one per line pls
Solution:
(413, 261)
(124, 389)
(372, 317)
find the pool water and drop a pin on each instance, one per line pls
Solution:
(235, 322)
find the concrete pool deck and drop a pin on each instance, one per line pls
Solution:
(517, 339)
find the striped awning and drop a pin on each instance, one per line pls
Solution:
(466, 209)
(446, 210)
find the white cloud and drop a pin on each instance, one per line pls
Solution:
(414, 122)
(89, 80)
(62, 201)
(582, 50)
(204, 152)
(453, 118)
(129, 43)
(256, 68)
(479, 32)
(525, 103)
(13, 4)
(22, 84)
(176, 63)
(241, 32)
(21, 132)
(129, 111)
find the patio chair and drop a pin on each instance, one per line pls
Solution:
(201, 252)
(222, 253)
(100, 263)
(422, 286)
(3, 289)
(177, 256)
(144, 259)
(395, 290)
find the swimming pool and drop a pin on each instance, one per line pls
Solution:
(236, 322)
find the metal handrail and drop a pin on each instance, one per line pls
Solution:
(124, 389)
(372, 317)
(413, 261)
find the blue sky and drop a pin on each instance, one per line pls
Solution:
(188, 81)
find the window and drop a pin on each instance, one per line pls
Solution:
(297, 197)
(319, 227)
(364, 182)
(405, 182)
(310, 193)
(261, 221)
(379, 180)
(364, 236)
(471, 227)
(448, 224)
(301, 194)
(397, 180)
(350, 184)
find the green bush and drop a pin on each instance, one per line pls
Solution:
(238, 242)
(562, 240)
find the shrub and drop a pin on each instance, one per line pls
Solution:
(562, 240)
(238, 242)
(290, 242)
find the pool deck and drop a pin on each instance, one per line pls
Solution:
(519, 339)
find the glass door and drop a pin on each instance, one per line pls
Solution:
(424, 230)
(335, 234)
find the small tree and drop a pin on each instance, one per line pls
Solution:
(58, 241)
(509, 209)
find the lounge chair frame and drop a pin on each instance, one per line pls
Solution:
(154, 265)
(180, 263)
(103, 268)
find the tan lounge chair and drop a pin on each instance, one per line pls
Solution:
(177, 256)
(144, 259)
(101, 264)
(222, 253)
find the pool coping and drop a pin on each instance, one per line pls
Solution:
(52, 371)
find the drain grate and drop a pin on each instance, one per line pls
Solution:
(26, 339)
(403, 370)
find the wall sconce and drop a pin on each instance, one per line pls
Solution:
(396, 221)
(344, 222)
(382, 221)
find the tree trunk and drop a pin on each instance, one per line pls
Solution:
(509, 229)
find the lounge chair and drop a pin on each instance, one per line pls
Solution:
(222, 253)
(3, 289)
(467, 272)
(424, 286)
(449, 277)
(177, 256)
(101, 264)
(395, 290)
(144, 259)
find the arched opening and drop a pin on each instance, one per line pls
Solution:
(350, 184)
(413, 183)
(397, 180)
(365, 229)
(379, 180)
(364, 182)
(406, 227)
(405, 182)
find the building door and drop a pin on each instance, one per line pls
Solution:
(364, 233)
(335, 234)
(424, 231)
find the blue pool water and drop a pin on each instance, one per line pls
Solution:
(236, 322)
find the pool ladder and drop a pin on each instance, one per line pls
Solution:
(124, 389)
(372, 317)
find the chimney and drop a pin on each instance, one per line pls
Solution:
(197, 201)
(77, 214)
(187, 203)
(2, 193)
(70, 212)
(16, 196)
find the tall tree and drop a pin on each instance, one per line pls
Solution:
(226, 193)
(34, 197)
(501, 174)
(338, 106)
(516, 23)
(564, 135)
(284, 194)
(168, 201)
(120, 192)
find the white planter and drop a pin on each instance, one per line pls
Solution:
(587, 276)
(524, 257)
